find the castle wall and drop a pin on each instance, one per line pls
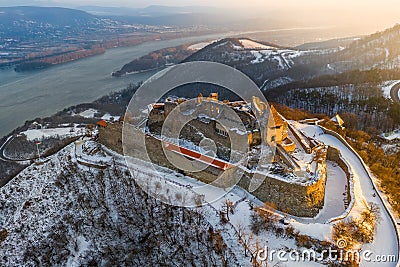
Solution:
(296, 199)
(111, 136)
(299, 199)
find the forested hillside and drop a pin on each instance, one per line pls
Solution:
(89, 217)
(357, 95)
(379, 50)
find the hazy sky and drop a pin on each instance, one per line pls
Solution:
(367, 15)
(240, 3)
(371, 14)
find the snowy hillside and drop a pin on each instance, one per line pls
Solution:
(260, 61)
(250, 44)
(378, 50)
(65, 214)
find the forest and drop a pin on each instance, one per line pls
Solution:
(357, 95)
(47, 61)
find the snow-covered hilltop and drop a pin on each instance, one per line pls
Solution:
(63, 213)
(261, 61)
(83, 207)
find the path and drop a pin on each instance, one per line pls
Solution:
(386, 237)
(395, 92)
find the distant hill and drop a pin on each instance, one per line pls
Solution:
(55, 16)
(263, 62)
(165, 15)
(267, 64)
(332, 43)
(180, 19)
(156, 59)
(270, 65)
(7, 3)
(27, 22)
(150, 11)
(380, 50)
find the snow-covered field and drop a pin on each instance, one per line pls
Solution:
(89, 113)
(109, 117)
(284, 57)
(201, 45)
(39, 134)
(392, 135)
(249, 44)
(258, 57)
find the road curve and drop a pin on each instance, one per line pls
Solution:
(386, 240)
(5, 158)
(2, 148)
(394, 92)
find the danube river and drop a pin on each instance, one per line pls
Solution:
(28, 95)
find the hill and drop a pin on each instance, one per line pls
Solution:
(380, 50)
(26, 22)
(263, 62)
(271, 65)
(156, 59)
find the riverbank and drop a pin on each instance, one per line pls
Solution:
(42, 62)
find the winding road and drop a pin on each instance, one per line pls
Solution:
(395, 91)
(2, 148)
(386, 240)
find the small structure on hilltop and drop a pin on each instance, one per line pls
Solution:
(338, 120)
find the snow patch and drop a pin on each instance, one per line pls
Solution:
(392, 135)
(89, 113)
(249, 44)
(201, 45)
(109, 117)
(387, 87)
(39, 134)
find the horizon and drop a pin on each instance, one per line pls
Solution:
(212, 134)
(364, 17)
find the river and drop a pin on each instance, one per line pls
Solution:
(29, 95)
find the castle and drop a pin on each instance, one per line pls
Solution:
(295, 178)
(275, 127)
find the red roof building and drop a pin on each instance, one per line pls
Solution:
(102, 123)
